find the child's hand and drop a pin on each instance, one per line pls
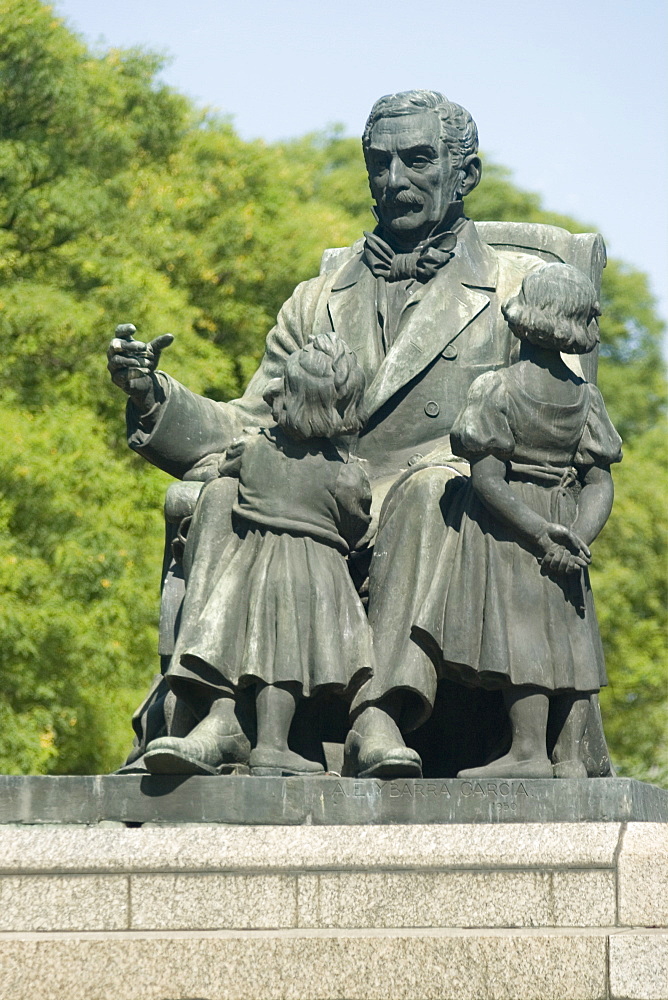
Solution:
(563, 551)
(230, 463)
(235, 450)
(204, 470)
(560, 561)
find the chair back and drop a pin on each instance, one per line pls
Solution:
(552, 243)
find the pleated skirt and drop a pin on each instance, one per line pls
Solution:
(493, 617)
(282, 608)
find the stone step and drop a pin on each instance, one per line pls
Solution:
(210, 912)
(337, 965)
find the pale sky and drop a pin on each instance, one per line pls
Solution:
(570, 95)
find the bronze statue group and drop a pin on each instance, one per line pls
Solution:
(496, 594)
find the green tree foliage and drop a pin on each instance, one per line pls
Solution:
(629, 582)
(119, 201)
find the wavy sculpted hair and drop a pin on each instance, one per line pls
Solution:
(321, 393)
(458, 130)
(554, 309)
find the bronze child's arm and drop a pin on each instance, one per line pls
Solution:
(561, 548)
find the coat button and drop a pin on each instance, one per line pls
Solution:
(414, 459)
(450, 353)
(432, 409)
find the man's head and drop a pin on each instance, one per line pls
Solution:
(421, 154)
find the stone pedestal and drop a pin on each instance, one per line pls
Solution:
(493, 911)
(327, 800)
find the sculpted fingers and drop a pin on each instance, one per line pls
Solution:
(560, 535)
(550, 558)
(573, 565)
(582, 550)
(154, 349)
(127, 373)
(123, 339)
(134, 349)
(134, 365)
(563, 562)
(131, 362)
(559, 561)
(123, 362)
(158, 344)
(578, 546)
(125, 331)
(146, 354)
(123, 342)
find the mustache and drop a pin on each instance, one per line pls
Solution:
(403, 198)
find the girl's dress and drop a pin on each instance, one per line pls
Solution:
(492, 616)
(282, 605)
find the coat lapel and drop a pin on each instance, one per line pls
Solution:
(436, 314)
(433, 316)
(353, 313)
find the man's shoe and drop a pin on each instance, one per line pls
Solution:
(508, 767)
(378, 756)
(279, 764)
(195, 754)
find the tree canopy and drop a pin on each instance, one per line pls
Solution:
(122, 202)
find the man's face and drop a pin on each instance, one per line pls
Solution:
(410, 174)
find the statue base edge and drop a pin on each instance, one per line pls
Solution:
(327, 800)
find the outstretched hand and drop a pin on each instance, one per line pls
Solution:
(131, 362)
(563, 551)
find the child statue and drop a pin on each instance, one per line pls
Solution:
(510, 606)
(283, 615)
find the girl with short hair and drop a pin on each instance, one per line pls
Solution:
(511, 605)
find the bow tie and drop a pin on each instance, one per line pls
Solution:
(428, 256)
(421, 264)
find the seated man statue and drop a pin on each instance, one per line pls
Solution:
(419, 302)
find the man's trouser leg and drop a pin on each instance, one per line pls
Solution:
(401, 694)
